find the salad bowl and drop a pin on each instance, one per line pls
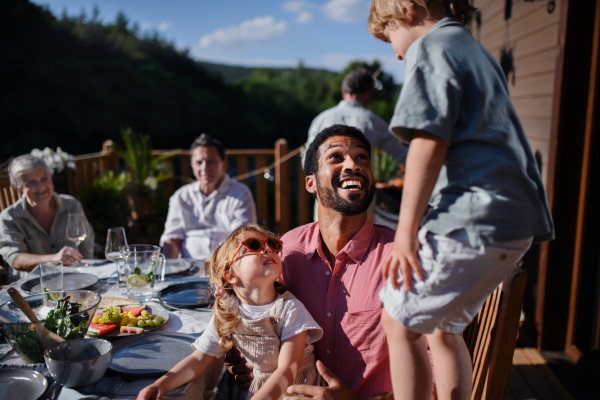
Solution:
(68, 319)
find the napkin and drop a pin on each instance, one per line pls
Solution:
(183, 323)
(102, 271)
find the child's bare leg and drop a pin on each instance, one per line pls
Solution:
(409, 362)
(452, 364)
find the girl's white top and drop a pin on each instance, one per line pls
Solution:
(297, 320)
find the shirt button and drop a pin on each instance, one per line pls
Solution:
(327, 273)
(328, 351)
(329, 314)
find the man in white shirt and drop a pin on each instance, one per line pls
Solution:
(357, 90)
(201, 214)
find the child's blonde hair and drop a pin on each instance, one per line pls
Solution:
(391, 13)
(225, 319)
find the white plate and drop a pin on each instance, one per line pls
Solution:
(176, 265)
(154, 309)
(16, 384)
(71, 281)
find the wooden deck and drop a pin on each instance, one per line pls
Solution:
(530, 378)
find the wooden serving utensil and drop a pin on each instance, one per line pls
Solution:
(47, 338)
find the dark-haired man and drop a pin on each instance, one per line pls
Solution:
(357, 91)
(333, 267)
(202, 213)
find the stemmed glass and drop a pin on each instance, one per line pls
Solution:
(115, 242)
(76, 230)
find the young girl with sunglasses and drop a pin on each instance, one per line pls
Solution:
(254, 313)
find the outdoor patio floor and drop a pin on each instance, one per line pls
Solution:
(551, 376)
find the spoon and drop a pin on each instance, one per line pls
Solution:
(47, 338)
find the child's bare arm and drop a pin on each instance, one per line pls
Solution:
(426, 156)
(185, 371)
(290, 356)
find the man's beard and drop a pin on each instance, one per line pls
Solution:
(330, 198)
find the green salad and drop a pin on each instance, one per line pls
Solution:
(62, 320)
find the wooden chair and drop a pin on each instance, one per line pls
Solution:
(492, 336)
(8, 195)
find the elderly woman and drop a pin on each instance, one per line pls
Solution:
(33, 230)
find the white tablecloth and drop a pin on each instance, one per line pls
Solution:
(191, 321)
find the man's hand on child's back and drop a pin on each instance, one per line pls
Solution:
(403, 258)
(236, 364)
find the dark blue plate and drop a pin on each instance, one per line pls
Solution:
(186, 295)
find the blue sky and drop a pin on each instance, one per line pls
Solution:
(270, 33)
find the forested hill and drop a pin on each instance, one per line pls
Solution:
(73, 82)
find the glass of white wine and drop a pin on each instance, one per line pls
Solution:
(115, 242)
(76, 230)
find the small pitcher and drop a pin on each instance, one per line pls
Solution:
(144, 267)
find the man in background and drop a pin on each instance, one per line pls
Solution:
(202, 213)
(357, 91)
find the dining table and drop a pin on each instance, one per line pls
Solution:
(114, 385)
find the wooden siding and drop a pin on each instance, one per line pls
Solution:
(532, 34)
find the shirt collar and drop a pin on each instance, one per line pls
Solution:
(356, 248)
(444, 22)
(22, 212)
(223, 187)
(350, 103)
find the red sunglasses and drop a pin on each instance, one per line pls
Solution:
(255, 245)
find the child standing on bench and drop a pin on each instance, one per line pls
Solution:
(470, 159)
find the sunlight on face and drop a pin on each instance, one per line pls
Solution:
(37, 186)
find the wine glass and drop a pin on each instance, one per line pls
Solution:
(115, 242)
(76, 230)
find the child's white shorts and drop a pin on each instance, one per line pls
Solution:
(458, 280)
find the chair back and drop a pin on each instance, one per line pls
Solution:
(8, 195)
(492, 336)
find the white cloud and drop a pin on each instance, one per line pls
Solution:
(346, 10)
(259, 29)
(304, 17)
(296, 6)
(336, 10)
(163, 26)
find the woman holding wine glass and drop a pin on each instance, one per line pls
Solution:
(33, 230)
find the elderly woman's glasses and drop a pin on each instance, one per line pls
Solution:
(255, 245)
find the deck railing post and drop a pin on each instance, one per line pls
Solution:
(303, 195)
(111, 159)
(282, 188)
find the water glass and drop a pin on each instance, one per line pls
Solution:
(144, 267)
(115, 242)
(51, 276)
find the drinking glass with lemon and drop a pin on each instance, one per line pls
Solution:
(144, 267)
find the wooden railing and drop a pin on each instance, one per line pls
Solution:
(274, 200)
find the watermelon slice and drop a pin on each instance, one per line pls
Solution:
(135, 308)
(129, 329)
(101, 329)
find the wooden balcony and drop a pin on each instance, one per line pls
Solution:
(282, 202)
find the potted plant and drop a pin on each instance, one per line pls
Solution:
(146, 171)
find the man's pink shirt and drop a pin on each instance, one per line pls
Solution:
(344, 302)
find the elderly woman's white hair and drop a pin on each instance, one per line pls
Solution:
(22, 165)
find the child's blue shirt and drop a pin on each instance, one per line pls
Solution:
(490, 184)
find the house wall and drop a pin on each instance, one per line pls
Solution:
(531, 34)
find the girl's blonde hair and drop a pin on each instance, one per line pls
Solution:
(391, 13)
(226, 318)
